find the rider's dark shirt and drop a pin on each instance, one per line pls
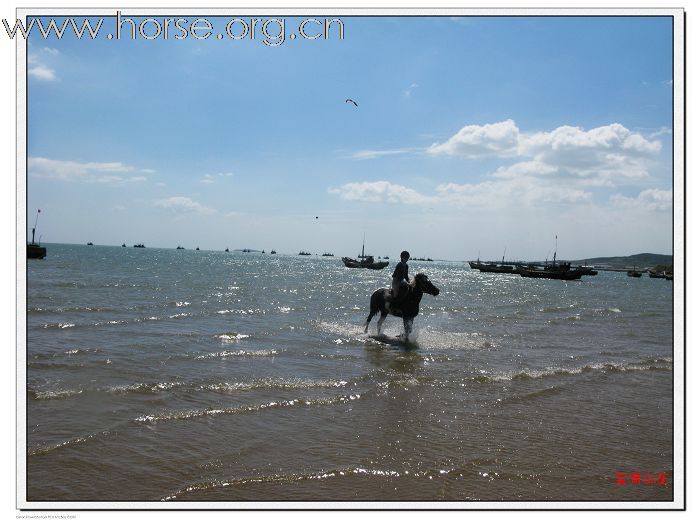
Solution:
(401, 271)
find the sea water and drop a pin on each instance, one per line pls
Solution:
(176, 375)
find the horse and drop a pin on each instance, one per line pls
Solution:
(406, 307)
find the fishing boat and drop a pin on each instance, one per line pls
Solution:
(179, 248)
(588, 270)
(494, 267)
(34, 249)
(139, 246)
(365, 261)
(89, 244)
(273, 252)
(657, 275)
(304, 253)
(634, 273)
(562, 271)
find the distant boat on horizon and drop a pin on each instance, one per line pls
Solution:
(365, 261)
(34, 249)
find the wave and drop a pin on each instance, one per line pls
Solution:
(58, 326)
(238, 353)
(45, 449)
(651, 364)
(295, 478)
(544, 392)
(192, 414)
(231, 336)
(52, 394)
(220, 387)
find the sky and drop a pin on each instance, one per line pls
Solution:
(472, 137)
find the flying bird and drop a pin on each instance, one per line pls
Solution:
(351, 100)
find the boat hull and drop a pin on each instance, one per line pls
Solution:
(565, 275)
(34, 251)
(352, 263)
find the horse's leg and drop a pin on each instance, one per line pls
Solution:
(371, 314)
(373, 309)
(381, 322)
(407, 326)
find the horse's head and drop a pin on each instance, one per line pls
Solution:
(423, 284)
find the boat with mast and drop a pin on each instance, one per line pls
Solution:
(34, 249)
(365, 261)
(562, 270)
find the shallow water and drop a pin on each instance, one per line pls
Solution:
(193, 375)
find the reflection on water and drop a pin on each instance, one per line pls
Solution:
(174, 375)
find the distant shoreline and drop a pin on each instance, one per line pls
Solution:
(619, 263)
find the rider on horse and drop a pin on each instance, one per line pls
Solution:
(400, 280)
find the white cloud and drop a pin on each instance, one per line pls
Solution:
(39, 62)
(600, 156)
(373, 153)
(651, 200)
(380, 191)
(72, 171)
(663, 130)
(407, 92)
(522, 191)
(208, 178)
(42, 73)
(182, 204)
(473, 141)
(558, 167)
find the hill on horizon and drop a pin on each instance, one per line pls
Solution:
(640, 260)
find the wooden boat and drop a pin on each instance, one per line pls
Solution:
(562, 272)
(493, 267)
(588, 270)
(634, 273)
(34, 249)
(657, 275)
(365, 261)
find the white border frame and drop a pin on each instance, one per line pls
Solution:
(679, 111)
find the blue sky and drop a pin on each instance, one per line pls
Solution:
(472, 136)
